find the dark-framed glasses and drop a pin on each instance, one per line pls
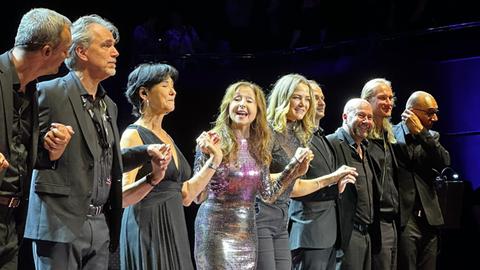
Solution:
(429, 112)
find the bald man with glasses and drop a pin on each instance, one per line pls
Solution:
(418, 152)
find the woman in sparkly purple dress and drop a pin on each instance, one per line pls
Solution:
(225, 232)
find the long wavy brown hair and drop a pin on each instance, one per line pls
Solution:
(259, 142)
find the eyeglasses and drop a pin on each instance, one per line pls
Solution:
(429, 112)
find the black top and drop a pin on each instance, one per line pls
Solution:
(100, 124)
(381, 151)
(22, 131)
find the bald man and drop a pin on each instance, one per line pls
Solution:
(355, 207)
(418, 152)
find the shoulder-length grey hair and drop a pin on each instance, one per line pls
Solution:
(40, 26)
(82, 37)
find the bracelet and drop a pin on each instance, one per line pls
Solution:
(211, 166)
(148, 179)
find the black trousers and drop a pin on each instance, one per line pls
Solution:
(314, 259)
(386, 258)
(418, 245)
(88, 251)
(8, 239)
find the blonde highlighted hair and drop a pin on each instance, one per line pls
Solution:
(279, 105)
(369, 91)
(259, 142)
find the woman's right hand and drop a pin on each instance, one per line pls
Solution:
(303, 157)
(210, 143)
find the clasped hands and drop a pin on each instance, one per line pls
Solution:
(161, 155)
(210, 143)
(57, 139)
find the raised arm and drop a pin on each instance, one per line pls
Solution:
(133, 191)
(204, 168)
(273, 185)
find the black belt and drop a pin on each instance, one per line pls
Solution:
(360, 227)
(94, 210)
(387, 216)
(10, 202)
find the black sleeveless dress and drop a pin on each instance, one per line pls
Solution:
(154, 232)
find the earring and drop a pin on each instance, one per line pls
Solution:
(143, 106)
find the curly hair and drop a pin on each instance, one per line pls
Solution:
(259, 142)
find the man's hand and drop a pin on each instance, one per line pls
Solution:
(3, 162)
(57, 139)
(411, 120)
(161, 156)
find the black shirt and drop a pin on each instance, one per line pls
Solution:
(20, 145)
(381, 151)
(100, 125)
(364, 210)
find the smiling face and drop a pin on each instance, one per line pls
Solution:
(382, 101)
(299, 103)
(243, 107)
(359, 120)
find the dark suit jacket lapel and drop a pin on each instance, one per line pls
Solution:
(78, 109)
(316, 143)
(35, 130)
(7, 95)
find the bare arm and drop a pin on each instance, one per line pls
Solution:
(191, 189)
(133, 191)
(304, 187)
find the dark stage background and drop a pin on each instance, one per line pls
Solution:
(418, 45)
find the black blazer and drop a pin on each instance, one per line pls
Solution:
(313, 216)
(60, 198)
(6, 120)
(347, 203)
(417, 156)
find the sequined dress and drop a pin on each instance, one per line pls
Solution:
(225, 232)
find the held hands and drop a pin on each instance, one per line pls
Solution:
(345, 175)
(412, 121)
(3, 162)
(161, 156)
(210, 143)
(303, 156)
(57, 139)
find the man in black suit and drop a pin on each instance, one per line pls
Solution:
(74, 210)
(419, 153)
(379, 93)
(355, 207)
(41, 44)
(314, 220)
